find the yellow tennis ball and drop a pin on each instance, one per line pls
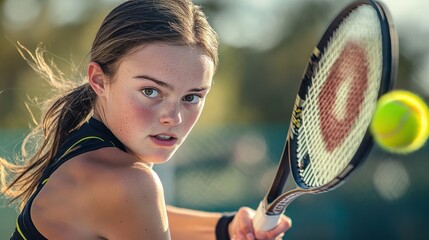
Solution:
(401, 122)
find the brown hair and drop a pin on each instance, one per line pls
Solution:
(128, 26)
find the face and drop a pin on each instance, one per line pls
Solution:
(155, 98)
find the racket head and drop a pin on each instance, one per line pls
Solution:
(353, 64)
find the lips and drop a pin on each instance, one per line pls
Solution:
(164, 140)
(163, 137)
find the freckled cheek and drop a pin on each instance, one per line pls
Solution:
(192, 118)
(135, 117)
(143, 115)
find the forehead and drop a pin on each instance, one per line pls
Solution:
(169, 63)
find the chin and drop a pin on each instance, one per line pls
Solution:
(161, 158)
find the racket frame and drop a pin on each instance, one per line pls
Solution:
(275, 201)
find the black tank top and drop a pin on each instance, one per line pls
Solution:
(91, 136)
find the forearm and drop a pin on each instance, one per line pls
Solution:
(190, 224)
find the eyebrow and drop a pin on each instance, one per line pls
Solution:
(159, 82)
(167, 85)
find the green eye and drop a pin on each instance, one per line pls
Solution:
(150, 92)
(194, 99)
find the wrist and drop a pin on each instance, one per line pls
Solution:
(222, 226)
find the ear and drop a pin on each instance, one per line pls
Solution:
(96, 77)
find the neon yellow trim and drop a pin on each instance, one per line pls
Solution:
(83, 139)
(70, 148)
(19, 230)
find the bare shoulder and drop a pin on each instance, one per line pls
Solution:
(130, 200)
(112, 194)
(116, 169)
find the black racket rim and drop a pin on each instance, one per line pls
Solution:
(389, 62)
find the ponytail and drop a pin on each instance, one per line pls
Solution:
(60, 116)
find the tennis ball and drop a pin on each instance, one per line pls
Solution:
(401, 122)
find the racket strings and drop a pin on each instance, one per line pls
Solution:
(342, 98)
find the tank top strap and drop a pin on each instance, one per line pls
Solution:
(92, 135)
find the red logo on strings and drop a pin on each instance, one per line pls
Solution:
(349, 73)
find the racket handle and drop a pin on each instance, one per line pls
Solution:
(262, 221)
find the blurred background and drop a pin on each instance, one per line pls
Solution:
(231, 156)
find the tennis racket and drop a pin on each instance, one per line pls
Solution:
(353, 64)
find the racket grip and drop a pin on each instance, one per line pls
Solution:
(262, 221)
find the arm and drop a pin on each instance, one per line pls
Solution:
(190, 224)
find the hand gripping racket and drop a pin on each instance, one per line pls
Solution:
(353, 64)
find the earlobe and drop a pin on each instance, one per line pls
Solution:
(96, 78)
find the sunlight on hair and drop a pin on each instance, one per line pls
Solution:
(391, 179)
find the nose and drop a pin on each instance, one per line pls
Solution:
(171, 115)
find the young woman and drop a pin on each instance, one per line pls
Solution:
(90, 177)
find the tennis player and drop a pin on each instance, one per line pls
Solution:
(90, 176)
